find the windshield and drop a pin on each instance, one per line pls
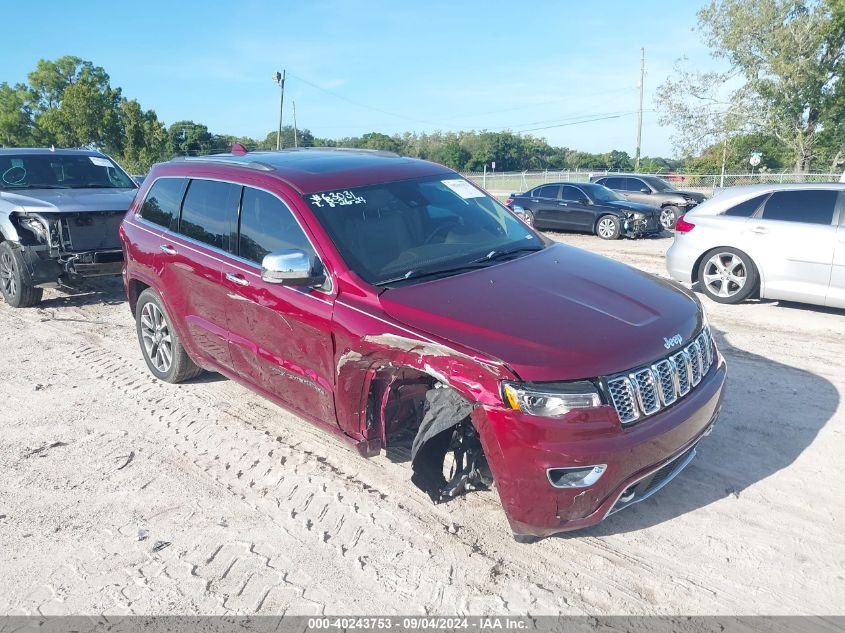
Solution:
(658, 184)
(600, 193)
(416, 228)
(61, 171)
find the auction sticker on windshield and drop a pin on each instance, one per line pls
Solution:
(463, 188)
(100, 162)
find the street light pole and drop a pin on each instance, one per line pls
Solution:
(279, 78)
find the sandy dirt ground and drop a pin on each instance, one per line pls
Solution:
(120, 494)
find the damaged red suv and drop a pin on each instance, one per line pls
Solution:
(396, 304)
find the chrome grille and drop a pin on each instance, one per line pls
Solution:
(622, 395)
(646, 390)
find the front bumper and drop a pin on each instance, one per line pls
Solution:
(521, 448)
(47, 270)
(643, 227)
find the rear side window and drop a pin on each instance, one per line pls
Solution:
(548, 191)
(268, 226)
(161, 205)
(208, 209)
(814, 206)
(746, 209)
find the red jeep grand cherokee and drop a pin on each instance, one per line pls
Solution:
(396, 304)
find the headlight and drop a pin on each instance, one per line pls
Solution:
(36, 226)
(551, 400)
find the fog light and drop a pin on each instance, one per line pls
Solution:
(580, 477)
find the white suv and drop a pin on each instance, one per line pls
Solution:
(778, 241)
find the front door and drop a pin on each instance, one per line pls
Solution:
(577, 211)
(836, 291)
(279, 336)
(792, 240)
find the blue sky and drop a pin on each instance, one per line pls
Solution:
(355, 67)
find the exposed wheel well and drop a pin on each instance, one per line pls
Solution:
(418, 418)
(135, 289)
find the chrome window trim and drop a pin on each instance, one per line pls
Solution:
(249, 262)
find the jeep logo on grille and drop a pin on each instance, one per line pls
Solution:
(670, 342)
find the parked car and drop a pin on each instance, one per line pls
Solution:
(775, 241)
(396, 304)
(585, 207)
(60, 211)
(654, 191)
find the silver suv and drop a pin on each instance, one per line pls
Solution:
(60, 212)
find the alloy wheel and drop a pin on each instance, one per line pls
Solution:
(7, 275)
(155, 335)
(725, 274)
(607, 228)
(667, 219)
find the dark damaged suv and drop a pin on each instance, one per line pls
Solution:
(60, 211)
(394, 303)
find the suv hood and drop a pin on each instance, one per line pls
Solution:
(559, 314)
(69, 200)
(693, 195)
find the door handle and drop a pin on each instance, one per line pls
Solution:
(237, 279)
(760, 230)
(168, 249)
(563, 204)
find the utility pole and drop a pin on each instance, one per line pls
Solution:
(640, 121)
(724, 160)
(279, 78)
(295, 142)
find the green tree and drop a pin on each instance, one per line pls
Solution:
(186, 138)
(16, 126)
(73, 104)
(787, 56)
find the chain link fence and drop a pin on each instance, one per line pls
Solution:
(502, 184)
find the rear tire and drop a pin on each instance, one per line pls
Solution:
(163, 351)
(16, 284)
(727, 275)
(609, 227)
(529, 218)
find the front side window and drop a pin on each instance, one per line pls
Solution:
(209, 209)
(572, 194)
(657, 184)
(61, 171)
(600, 193)
(613, 183)
(268, 226)
(635, 185)
(811, 206)
(161, 206)
(411, 229)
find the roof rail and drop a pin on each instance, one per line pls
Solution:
(224, 159)
(377, 152)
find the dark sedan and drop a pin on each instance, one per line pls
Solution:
(585, 207)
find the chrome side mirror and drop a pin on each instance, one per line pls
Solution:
(290, 267)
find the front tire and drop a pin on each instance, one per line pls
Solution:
(163, 351)
(609, 227)
(668, 217)
(727, 275)
(16, 284)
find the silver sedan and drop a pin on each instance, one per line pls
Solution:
(772, 241)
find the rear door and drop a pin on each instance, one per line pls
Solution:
(544, 202)
(191, 262)
(792, 240)
(576, 211)
(280, 337)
